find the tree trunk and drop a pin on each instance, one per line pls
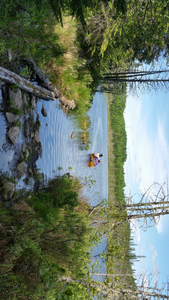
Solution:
(32, 88)
(107, 291)
(146, 215)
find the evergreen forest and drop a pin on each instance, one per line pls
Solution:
(81, 47)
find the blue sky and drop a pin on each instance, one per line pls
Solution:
(147, 126)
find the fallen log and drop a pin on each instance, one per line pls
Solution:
(32, 88)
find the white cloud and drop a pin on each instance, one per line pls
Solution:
(137, 232)
(134, 226)
(159, 226)
(142, 260)
(154, 263)
(147, 147)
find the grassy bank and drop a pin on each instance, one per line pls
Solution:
(37, 35)
(68, 72)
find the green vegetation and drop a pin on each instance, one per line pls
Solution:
(43, 237)
(112, 42)
(117, 124)
(49, 235)
(120, 251)
(111, 37)
(69, 72)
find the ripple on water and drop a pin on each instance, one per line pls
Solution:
(59, 150)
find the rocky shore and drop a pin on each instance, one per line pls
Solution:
(18, 108)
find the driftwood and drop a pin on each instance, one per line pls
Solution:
(30, 87)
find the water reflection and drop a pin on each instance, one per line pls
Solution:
(62, 152)
(59, 150)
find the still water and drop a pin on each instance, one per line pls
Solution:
(62, 154)
(59, 150)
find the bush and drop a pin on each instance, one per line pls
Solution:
(43, 240)
(60, 192)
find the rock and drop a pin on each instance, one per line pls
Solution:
(26, 153)
(31, 114)
(70, 104)
(25, 102)
(16, 98)
(33, 101)
(2, 83)
(40, 150)
(7, 190)
(13, 134)
(26, 128)
(11, 118)
(37, 137)
(30, 173)
(72, 135)
(32, 134)
(22, 156)
(21, 168)
(43, 111)
(23, 148)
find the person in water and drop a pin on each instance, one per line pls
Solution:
(96, 161)
(97, 155)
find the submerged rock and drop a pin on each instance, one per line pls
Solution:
(26, 128)
(37, 137)
(32, 134)
(72, 135)
(31, 115)
(13, 134)
(44, 112)
(21, 169)
(23, 148)
(11, 118)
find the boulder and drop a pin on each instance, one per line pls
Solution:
(23, 148)
(21, 169)
(7, 190)
(11, 118)
(26, 128)
(16, 98)
(70, 104)
(31, 115)
(43, 111)
(13, 134)
(32, 134)
(40, 150)
(37, 137)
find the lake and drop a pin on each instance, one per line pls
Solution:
(61, 154)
